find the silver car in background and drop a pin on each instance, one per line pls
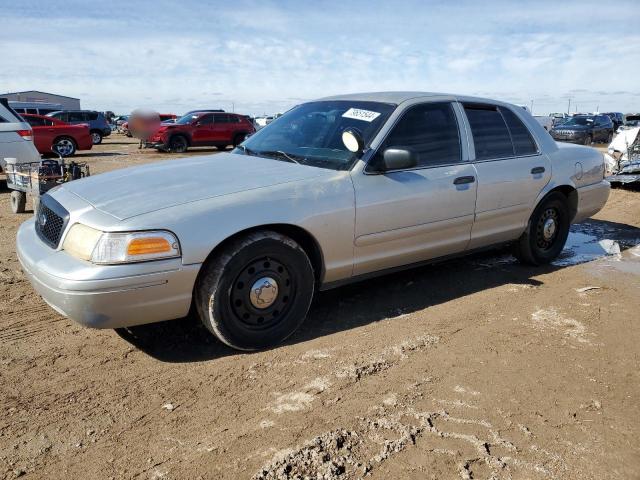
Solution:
(16, 137)
(334, 191)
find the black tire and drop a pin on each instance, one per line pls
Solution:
(96, 137)
(178, 144)
(222, 148)
(65, 146)
(588, 140)
(542, 242)
(238, 139)
(609, 138)
(227, 302)
(18, 201)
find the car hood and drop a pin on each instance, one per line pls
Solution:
(135, 191)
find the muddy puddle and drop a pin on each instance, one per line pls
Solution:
(591, 241)
(587, 242)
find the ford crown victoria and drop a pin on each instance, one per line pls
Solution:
(333, 191)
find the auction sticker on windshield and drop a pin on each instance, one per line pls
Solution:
(359, 114)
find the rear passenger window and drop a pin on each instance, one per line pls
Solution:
(221, 118)
(431, 131)
(92, 115)
(76, 117)
(490, 133)
(523, 142)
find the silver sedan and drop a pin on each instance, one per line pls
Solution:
(333, 191)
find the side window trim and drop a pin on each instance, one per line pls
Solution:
(461, 136)
(472, 148)
(524, 124)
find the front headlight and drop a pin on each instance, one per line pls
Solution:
(99, 247)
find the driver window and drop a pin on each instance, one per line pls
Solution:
(431, 131)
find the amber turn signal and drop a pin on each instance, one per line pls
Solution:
(148, 245)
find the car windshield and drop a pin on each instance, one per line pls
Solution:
(311, 133)
(187, 119)
(579, 121)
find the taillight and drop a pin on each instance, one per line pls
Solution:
(26, 134)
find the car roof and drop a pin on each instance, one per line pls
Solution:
(402, 96)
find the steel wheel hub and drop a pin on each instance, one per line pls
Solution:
(264, 292)
(549, 229)
(261, 294)
(95, 137)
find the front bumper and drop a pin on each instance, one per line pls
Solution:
(579, 138)
(109, 296)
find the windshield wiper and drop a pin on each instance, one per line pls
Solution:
(246, 150)
(279, 153)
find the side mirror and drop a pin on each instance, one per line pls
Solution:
(398, 158)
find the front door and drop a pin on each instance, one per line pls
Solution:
(221, 127)
(404, 217)
(202, 133)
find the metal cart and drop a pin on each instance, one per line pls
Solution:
(37, 178)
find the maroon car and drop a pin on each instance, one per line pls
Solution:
(52, 134)
(202, 129)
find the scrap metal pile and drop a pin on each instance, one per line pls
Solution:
(623, 157)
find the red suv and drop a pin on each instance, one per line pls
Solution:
(202, 129)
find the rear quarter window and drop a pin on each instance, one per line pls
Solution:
(491, 136)
(523, 143)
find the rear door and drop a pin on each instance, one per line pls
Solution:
(512, 172)
(222, 127)
(408, 216)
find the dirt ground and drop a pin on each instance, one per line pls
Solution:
(473, 368)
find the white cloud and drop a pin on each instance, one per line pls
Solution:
(265, 56)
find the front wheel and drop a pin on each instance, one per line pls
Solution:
(588, 140)
(546, 232)
(609, 138)
(178, 144)
(256, 292)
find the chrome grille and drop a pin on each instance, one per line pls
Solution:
(51, 218)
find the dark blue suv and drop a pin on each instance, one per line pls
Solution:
(97, 122)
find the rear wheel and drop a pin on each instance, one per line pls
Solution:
(96, 137)
(546, 231)
(609, 138)
(256, 292)
(18, 201)
(65, 146)
(238, 139)
(178, 144)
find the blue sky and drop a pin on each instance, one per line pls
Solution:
(264, 57)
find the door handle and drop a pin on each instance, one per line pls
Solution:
(536, 170)
(463, 180)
